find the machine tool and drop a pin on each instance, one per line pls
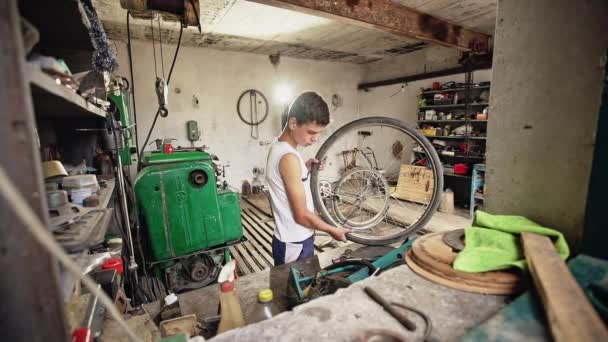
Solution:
(189, 213)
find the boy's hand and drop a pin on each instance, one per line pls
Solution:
(310, 163)
(339, 233)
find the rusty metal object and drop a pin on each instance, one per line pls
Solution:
(186, 11)
(454, 239)
(406, 322)
(388, 16)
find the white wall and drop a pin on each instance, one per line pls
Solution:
(217, 78)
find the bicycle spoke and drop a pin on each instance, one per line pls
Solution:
(363, 178)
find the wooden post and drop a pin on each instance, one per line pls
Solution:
(32, 307)
(570, 315)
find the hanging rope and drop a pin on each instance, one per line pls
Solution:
(160, 39)
(153, 45)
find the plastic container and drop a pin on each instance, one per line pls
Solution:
(230, 308)
(265, 308)
(461, 169)
(80, 181)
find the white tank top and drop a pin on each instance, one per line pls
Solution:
(287, 229)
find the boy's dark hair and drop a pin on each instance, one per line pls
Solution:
(309, 107)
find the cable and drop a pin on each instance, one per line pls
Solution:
(179, 41)
(160, 40)
(153, 46)
(42, 235)
(132, 83)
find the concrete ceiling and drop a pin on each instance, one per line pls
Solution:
(238, 25)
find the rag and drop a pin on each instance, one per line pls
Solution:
(493, 243)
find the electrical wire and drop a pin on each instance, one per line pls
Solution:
(179, 41)
(42, 235)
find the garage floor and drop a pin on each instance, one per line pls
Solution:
(255, 255)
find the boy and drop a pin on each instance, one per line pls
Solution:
(289, 182)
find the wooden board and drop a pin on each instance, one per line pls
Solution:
(570, 315)
(416, 184)
(431, 258)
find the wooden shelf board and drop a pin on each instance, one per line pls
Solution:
(52, 100)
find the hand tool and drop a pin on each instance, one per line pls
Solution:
(409, 325)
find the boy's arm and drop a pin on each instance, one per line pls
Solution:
(291, 173)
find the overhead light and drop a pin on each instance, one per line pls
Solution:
(283, 94)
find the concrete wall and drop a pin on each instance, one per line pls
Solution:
(217, 78)
(548, 65)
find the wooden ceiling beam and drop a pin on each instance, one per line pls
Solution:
(391, 17)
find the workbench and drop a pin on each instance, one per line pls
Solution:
(349, 314)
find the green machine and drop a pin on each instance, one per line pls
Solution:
(190, 215)
(118, 96)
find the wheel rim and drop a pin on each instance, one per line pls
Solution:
(361, 198)
(400, 138)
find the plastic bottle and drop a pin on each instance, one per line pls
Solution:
(265, 308)
(230, 308)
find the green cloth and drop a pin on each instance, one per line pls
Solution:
(493, 243)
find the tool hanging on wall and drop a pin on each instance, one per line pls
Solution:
(257, 103)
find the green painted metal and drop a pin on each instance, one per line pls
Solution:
(121, 99)
(298, 283)
(182, 217)
(159, 158)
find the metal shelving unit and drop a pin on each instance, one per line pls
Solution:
(460, 105)
(451, 90)
(462, 137)
(461, 114)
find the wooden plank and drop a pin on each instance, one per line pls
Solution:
(387, 16)
(250, 262)
(32, 305)
(262, 225)
(570, 315)
(264, 244)
(416, 184)
(255, 251)
(242, 268)
(256, 226)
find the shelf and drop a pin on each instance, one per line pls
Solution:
(451, 90)
(479, 197)
(455, 156)
(52, 100)
(457, 176)
(62, 24)
(457, 137)
(451, 121)
(461, 105)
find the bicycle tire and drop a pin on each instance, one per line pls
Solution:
(416, 136)
(238, 109)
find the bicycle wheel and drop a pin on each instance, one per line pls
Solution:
(367, 163)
